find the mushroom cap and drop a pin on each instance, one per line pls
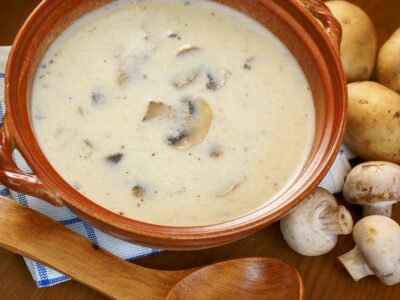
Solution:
(372, 182)
(378, 238)
(301, 227)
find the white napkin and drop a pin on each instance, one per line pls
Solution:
(334, 180)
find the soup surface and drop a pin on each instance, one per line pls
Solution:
(173, 112)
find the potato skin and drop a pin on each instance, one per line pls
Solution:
(359, 41)
(373, 129)
(388, 64)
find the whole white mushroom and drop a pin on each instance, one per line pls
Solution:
(377, 250)
(312, 227)
(375, 185)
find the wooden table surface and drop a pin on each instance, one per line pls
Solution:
(323, 276)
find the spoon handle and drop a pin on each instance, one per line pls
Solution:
(31, 234)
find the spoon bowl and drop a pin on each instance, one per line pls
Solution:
(246, 278)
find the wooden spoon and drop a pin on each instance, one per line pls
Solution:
(31, 234)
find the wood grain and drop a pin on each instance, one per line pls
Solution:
(24, 231)
(323, 276)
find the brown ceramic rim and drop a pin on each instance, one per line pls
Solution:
(303, 18)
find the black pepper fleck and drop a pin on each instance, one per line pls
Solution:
(115, 158)
(247, 66)
(191, 107)
(212, 83)
(98, 97)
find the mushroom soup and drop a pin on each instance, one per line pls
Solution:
(173, 112)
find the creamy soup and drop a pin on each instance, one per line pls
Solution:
(173, 112)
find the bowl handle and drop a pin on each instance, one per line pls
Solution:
(324, 16)
(14, 178)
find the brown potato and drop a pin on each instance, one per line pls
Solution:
(388, 65)
(359, 42)
(373, 129)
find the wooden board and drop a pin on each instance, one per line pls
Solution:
(324, 277)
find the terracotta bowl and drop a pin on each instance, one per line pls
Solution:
(308, 30)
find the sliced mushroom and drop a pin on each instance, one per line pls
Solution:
(190, 121)
(196, 125)
(181, 80)
(228, 191)
(187, 49)
(156, 109)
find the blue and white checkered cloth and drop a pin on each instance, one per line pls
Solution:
(45, 276)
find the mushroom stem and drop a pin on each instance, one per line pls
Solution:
(383, 209)
(336, 220)
(355, 264)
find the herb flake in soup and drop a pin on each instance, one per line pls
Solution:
(173, 112)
